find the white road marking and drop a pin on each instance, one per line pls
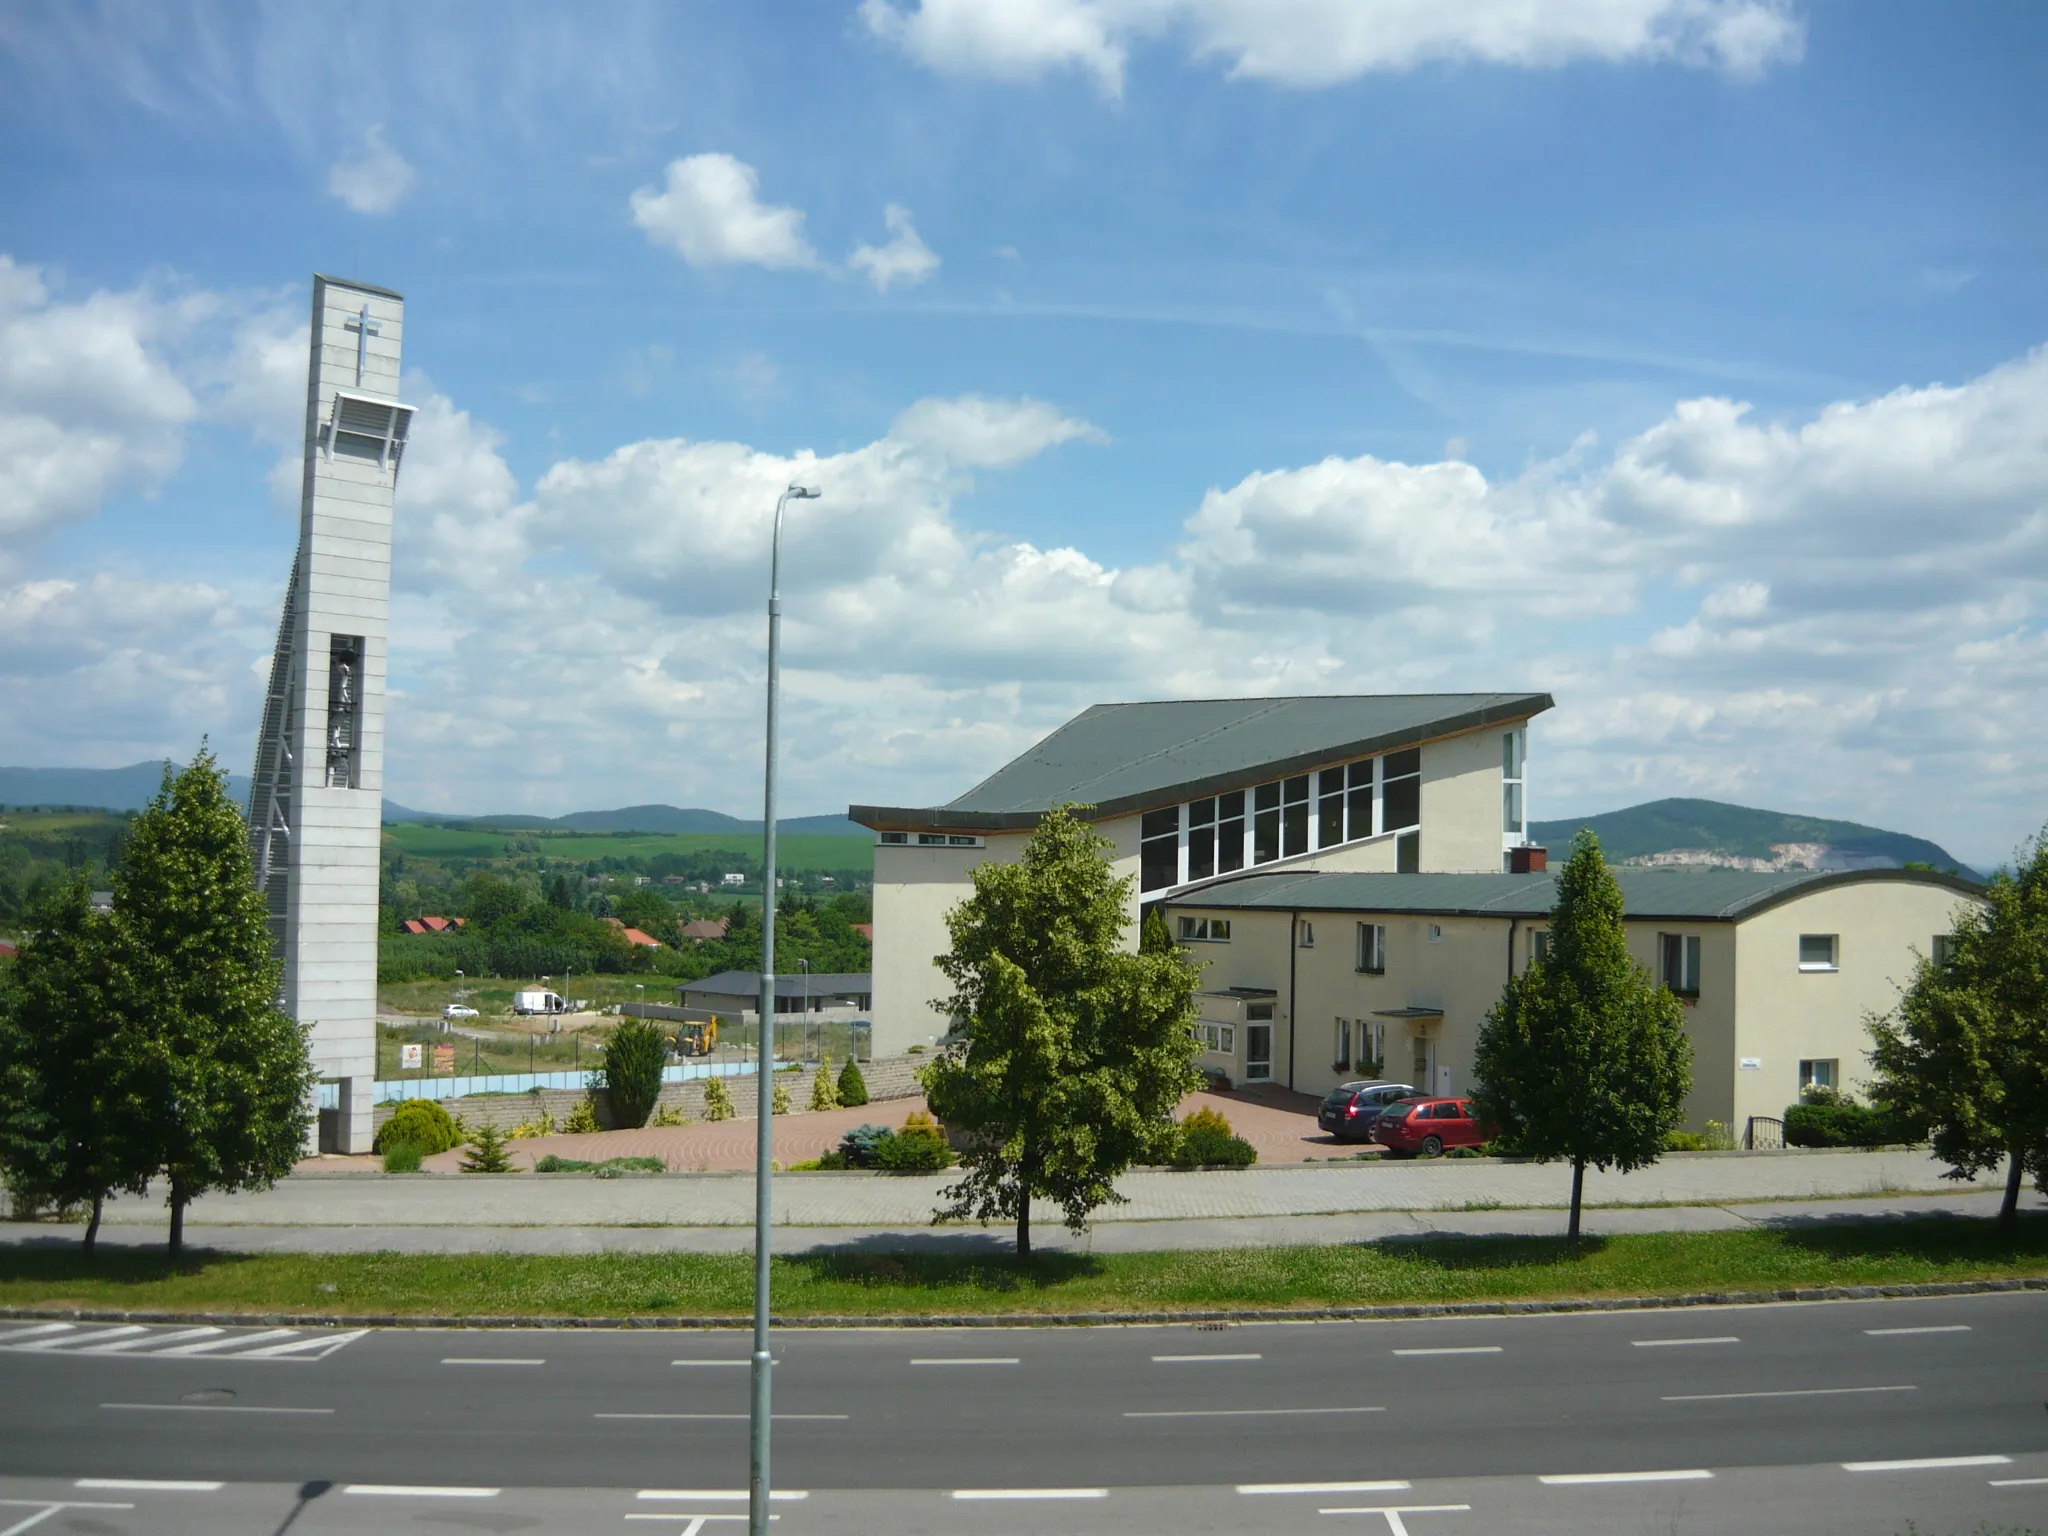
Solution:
(30, 1333)
(829, 1418)
(1726, 1338)
(1460, 1349)
(968, 1360)
(151, 1340)
(206, 1408)
(1191, 1359)
(233, 1341)
(2018, 1482)
(44, 1508)
(84, 1341)
(1888, 1333)
(1393, 1513)
(417, 1491)
(1926, 1463)
(487, 1360)
(326, 1347)
(1723, 1397)
(696, 1524)
(148, 1485)
(1240, 1414)
(1392, 1485)
(1029, 1493)
(705, 1365)
(1575, 1479)
(718, 1495)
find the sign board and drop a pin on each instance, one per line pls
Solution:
(1752, 1063)
(409, 1057)
(444, 1058)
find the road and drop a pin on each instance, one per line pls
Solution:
(1773, 1418)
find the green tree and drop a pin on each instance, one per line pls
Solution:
(1585, 1058)
(63, 1138)
(631, 1074)
(559, 896)
(215, 1075)
(853, 1088)
(824, 1091)
(778, 1102)
(489, 899)
(1965, 1054)
(1153, 935)
(1075, 1051)
(486, 1152)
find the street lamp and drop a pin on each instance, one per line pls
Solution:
(764, 1118)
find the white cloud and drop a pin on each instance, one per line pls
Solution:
(374, 177)
(978, 433)
(711, 211)
(1310, 44)
(906, 259)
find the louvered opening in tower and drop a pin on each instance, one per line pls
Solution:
(368, 429)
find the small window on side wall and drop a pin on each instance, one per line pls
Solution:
(1372, 948)
(1539, 944)
(1819, 952)
(1944, 950)
(1820, 1074)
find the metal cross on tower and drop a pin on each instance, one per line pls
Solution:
(365, 328)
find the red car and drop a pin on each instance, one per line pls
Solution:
(1428, 1126)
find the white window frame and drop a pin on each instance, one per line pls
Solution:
(1372, 949)
(1834, 959)
(1687, 982)
(1308, 934)
(1203, 930)
(1813, 1070)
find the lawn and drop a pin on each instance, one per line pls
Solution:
(492, 995)
(865, 1284)
(797, 851)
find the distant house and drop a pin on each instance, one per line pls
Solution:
(413, 925)
(738, 994)
(733, 878)
(634, 935)
(7, 951)
(705, 930)
(865, 930)
(432, 924)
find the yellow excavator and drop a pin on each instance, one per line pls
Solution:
(696, 1038)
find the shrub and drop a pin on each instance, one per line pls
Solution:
(421, 1123)
(1843, 1123)
(668, 1115)
(403, 1157)
(920, 1147)
(857, 1146)
(853, 1088)
(582, 1119)
(1718, 1137)
(1685, 1141)
(487, 1152)
(611, 1167)
(779, 1105)
(717, 1099)
(542, 1124)
(633, 1061)
(1205, 1140)
(824, 1093)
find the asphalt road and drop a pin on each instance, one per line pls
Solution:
(1759, 1418)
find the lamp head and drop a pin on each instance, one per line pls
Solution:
(803, 493)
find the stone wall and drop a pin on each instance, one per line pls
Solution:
(890, 1077)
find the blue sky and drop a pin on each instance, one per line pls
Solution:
(1210, 347)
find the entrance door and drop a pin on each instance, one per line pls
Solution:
(1258, 1053)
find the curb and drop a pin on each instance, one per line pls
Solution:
(1059, 1319)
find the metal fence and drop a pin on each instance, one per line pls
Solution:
(806, 1037)
(528, 1082)
(1764, 1134)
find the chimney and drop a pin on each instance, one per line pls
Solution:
(1528, 860)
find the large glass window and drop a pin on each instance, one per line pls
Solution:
(1511, 752)
(1401, 791)
(1265, 823)
(1159, 849)
(1294, 815)
(1360, 822)
(1230, 832)
(1202, 838)
(1680, 962)
(1330, 808)
(1372, 948)
(1408, 853)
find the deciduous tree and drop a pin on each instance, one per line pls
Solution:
(1075, 1050)
(1965, 1054)
(1585, 1058)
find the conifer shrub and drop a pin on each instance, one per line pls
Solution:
(486, 1152)
(779, 1105)
(717, 1099)
(824, 1092)
(420, 1123)
(582, 1119)
(853, 1088)
(920, 1147)
(633, 1061)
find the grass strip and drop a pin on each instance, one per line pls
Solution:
(846, 1284)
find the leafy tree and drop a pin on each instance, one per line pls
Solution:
(631, 1074)
(215, 1076)
(1965, 1054)
(491, 898)
(1585, 1058)
(1075, 1052)
(853, 1088)
(559, 896)
(63, 1138)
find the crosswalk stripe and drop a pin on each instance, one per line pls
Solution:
(152, 1340)
(30, 1333)
(304, 1346)
(230, 1342)
(84, 1341)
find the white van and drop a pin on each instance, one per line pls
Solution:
(538, 1001)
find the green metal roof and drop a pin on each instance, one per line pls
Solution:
(1685, 895)
(1120, 758)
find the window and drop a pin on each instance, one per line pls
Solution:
(1678, 957)
(1159, 849)
(897, 839)
(1258, 1012)
(1944, 949)
(1343, 1061)
(1819, 1074)
(1230, 832)
(364, 428)
(931, 839)
(1330, 808)
(1294, 815)
(1360, 823)
(1436, 933)
(1202, 839)
(1539, 944)
(1512, 750)
(1401, 793)
(1408, 853)
(1216, 1037)
(344, 705)
(955, 840)
(1308, 935)
(1205, 930)
(1265, 823)
(1372, 948)
(1818, 952)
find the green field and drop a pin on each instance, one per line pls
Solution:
(847, 1283)
(800, 851)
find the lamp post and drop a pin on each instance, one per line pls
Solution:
(764, 1144)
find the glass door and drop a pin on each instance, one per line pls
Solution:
(1258, 1053)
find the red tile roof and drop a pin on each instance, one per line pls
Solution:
(704, 928)
(865, 930)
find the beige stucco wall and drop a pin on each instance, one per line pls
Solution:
(1786, 1015)
(1461, 804)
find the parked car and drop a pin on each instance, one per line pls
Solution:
(1349, 1110)
(1428, 1127)
(458, 1011)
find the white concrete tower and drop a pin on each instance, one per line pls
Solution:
(316, 805)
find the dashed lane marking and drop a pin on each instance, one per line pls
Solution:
(1728, 1397)
(2018, 1482)
(206, 1408)
(1193, 1359)
(1240, 1413)
(718, 1495)
(147, 1485)
(1456, 1349)
(1584, 1479)
(1892, 1333)
(966, 1360)
(1726, 1338)
(487, 1360)
(992, 1494)
(1926, 1463)
(417, 1491)
(734, 1418)
(1391, 1485)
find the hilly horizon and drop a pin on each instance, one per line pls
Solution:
(1711, 832)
